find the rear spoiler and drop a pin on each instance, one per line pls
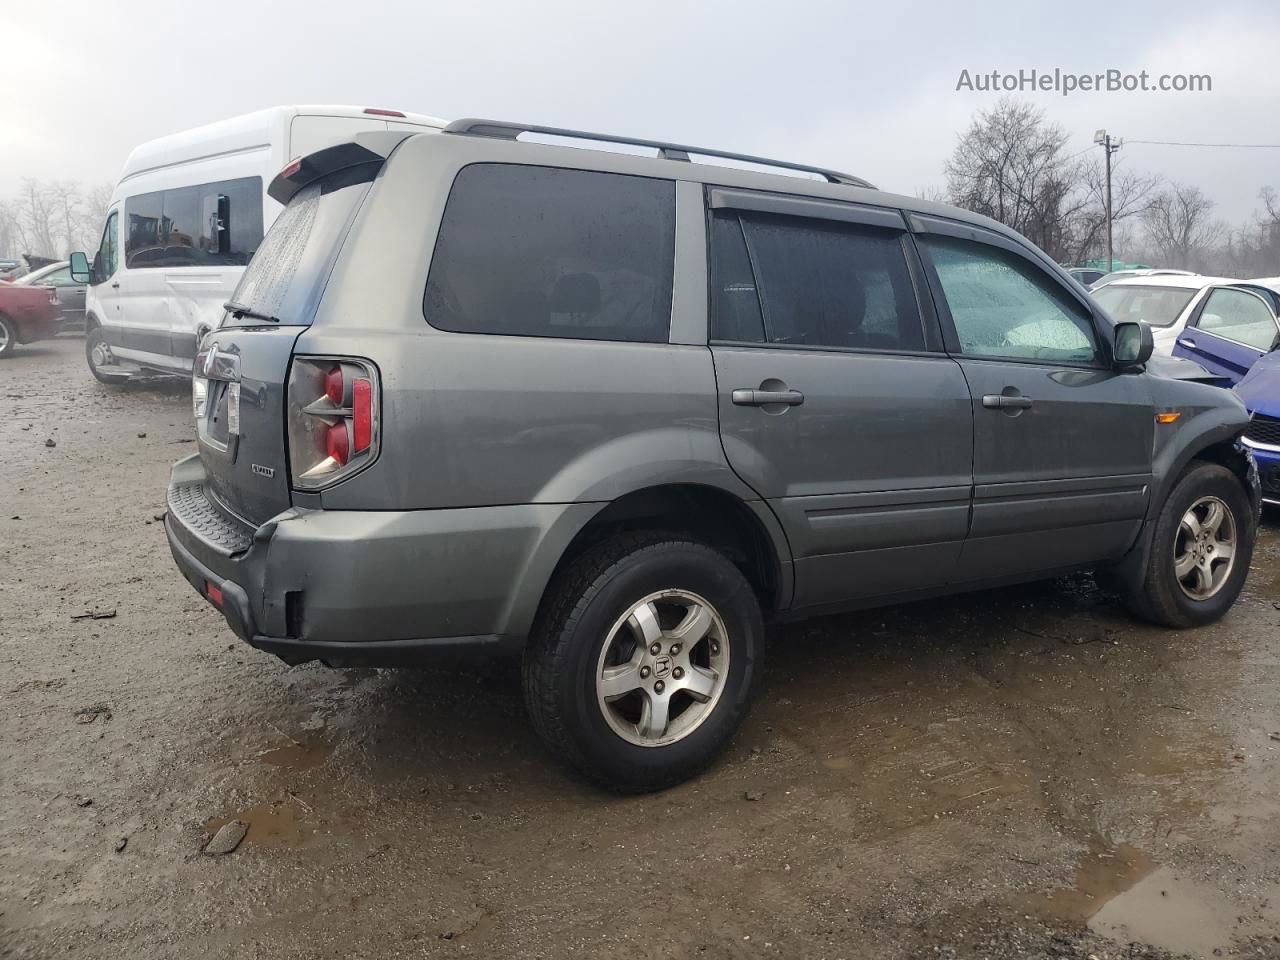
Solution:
(366, 149)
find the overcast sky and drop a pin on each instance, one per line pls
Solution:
(864, 87)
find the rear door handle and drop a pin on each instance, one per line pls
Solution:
(760, 398)
(1186, 342)
(996, 401)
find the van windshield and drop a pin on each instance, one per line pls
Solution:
(285, 278)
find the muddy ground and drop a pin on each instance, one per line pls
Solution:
(1024, 773)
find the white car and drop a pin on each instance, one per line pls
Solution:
(1164, 301)
(1115, 275)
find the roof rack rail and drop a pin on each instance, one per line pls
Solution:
(667, 151)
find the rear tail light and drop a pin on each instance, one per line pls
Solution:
(333, 419)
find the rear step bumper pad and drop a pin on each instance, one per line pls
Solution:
(235, 602)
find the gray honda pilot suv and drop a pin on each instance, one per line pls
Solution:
(614, 412)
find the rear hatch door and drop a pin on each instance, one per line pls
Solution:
(242, 368)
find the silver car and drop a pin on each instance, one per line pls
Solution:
(613, 413)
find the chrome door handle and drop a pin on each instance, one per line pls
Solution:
(760, 398)
(997, 401)
(1186, 342)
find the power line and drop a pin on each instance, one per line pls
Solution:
(1180, 143)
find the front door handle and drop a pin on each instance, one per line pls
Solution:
(762, 398)
(1186, 342)
(996, 401)
(116, 285)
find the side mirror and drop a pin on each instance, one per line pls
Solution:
(1133, 344)
(80, 271)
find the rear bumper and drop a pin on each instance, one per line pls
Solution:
(31, 329)
(373, 587)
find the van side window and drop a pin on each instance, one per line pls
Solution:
(1003, 306)
(209, 224)
(546, 252)
(833, 284)
(735, 305)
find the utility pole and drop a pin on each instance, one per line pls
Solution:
(1103, 139)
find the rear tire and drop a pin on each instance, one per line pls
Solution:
(94, 346)
(1189, 579)
(643, 661)
(8, 337)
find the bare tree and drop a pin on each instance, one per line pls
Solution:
(94, 204)
(10, 231)
(1179, 227)
(1011, 166)
(37, 218)
(1131, 194)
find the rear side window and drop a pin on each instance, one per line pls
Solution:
(545, 252)
(1239, 316)
(821, 284)
(208, 224)
(735, 305)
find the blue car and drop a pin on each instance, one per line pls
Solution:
(1260, 391)
(1231, 330)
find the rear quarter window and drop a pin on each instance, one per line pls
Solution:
(547, 252)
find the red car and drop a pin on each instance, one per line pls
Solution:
(27, 314)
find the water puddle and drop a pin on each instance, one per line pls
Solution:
(297, 756)
(1123, 894)
(1102, 875)
(1170, 912)
(274, 824)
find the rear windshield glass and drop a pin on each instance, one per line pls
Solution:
(284, 279)
(545, 252)
(1158, 306)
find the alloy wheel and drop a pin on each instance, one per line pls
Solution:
(1204, 548)
(662, 668)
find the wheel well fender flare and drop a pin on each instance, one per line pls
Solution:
(710, 510)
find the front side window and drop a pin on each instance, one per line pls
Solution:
(821, 284)
(1158, 306)
(1240, 316)
(105, 260)
(1004, 307)
(546, 252)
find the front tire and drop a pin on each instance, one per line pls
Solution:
(1200, 550)
(643, 661)
(8, 337)
(98, 355)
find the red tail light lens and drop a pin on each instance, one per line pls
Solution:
(362, 414)
(336, 444)
(333, 386)
(333, 419)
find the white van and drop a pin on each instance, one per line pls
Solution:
(186, 216)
